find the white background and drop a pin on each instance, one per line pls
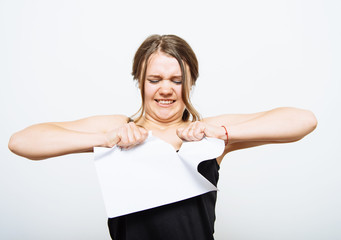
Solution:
(64, 60)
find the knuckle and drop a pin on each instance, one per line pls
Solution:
(138, 138)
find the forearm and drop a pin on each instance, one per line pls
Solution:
(46, 140)
(277, 125)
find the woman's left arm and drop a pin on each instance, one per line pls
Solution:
(279, 125)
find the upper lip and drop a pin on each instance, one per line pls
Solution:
(165, 99)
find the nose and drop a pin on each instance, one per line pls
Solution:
(166, 88)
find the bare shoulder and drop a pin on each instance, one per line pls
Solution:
(99, 123)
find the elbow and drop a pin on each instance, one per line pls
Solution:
(310, 121)
(15, 145)
(300, 122)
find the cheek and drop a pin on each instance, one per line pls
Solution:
(178, 90)
(149, 90)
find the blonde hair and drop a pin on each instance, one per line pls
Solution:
(183, 53)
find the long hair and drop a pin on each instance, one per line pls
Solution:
(183, 53)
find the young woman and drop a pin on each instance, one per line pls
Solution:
(166, 68)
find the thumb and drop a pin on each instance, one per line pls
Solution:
(179, 131)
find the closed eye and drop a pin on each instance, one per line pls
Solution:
(177, 82)
(153, 81)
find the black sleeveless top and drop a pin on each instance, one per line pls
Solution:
(190, 219)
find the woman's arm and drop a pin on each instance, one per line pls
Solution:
(279, 125)
(47, 140)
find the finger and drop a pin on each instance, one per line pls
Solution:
(187, 133)
(179, 132)
(140, 134)
(131, 133)
(136, 134)
(121, 133)
(126, 136)
(191, 132)
(196, 132)
(199, 132)
(144, 133)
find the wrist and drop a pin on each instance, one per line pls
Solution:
(225, 135)
(108, 139)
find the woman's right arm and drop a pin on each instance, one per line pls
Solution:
(47, 140)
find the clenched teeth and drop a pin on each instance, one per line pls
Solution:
(165, 101)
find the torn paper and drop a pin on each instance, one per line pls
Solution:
(153, 174)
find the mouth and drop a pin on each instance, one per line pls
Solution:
(164, 101)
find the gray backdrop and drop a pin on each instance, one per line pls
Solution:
(65, 60)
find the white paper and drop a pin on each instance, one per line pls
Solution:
(153, 174)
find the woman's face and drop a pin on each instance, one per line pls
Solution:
(162, 89)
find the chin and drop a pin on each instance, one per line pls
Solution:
(166, 117)
(170, 117)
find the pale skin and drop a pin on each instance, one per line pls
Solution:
(163, 116)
